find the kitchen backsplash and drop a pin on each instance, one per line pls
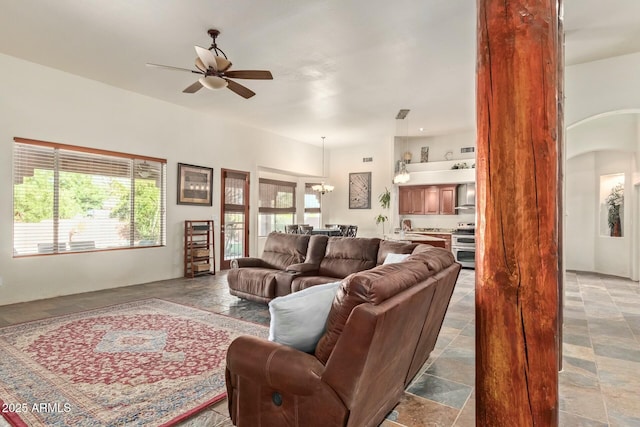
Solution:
(438, 221)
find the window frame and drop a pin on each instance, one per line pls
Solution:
(69, 151)
(308, 190)
(276, 211)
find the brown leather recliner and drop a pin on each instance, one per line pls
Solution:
(255, 278)
(381, 328)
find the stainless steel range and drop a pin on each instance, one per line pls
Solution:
(463, 244)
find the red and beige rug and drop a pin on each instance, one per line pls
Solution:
(145, 363)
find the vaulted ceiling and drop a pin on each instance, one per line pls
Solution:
(342, 69)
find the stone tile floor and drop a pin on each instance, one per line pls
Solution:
(599, 384)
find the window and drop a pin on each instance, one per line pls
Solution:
(312, 206)
(74, 199)
(276, 205)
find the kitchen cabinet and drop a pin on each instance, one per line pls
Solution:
(445, 236)
(432, 200)
(411, 200)
(427, 200)
(447, 195)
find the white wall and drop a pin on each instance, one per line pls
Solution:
(601, 87)
(585, 248)
(613, 254)
(350, 159)
(580, 215)
(46, 104)
(439, 145)
(612, 132)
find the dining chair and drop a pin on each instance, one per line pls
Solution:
(291, 229)
(305, 229)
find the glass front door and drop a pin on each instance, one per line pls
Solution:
(234, 231)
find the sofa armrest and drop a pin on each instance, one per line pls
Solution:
(247, 262)
(304, 268)
(278, 366)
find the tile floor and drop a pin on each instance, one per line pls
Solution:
(599, 385)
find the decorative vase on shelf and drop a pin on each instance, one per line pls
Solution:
(616, 228)
(407, 157)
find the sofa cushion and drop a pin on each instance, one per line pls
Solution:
(391, 247)
(298, 320)
(373, 286)
(282, 250)
(346, 255)
(303, 282)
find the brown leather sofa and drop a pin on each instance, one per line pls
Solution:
(292, 262)
(381, 328)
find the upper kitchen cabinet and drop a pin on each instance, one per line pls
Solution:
(447, 195)
(432, 200)
(427, 200)
(411, 200)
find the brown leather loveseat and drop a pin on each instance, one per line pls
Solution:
(291, 262)
(381, 328)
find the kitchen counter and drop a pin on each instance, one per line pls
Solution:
(431, 230)
(417, 238)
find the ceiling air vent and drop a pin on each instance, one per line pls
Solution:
(402, 114)
(367, 159)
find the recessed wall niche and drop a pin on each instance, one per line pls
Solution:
(611, 205)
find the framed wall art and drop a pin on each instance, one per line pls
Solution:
(195, 185)
(360, 190)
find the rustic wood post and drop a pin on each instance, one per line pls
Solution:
(518, 218)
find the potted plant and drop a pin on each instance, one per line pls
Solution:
(614, 203)
(385, 202)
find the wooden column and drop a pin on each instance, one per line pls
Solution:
(518, 202)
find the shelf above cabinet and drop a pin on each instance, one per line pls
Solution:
(444, 176)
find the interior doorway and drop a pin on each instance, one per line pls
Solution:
(234, 218)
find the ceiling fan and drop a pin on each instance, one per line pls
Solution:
(214, 66)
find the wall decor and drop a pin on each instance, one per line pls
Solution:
(360, 190)
(195, 185)
(424, 155)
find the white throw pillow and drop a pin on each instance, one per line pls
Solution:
(298, 319)
(393, 258)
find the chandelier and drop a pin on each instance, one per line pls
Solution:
(322, 188)
(402, 176)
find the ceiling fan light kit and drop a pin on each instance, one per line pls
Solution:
(214, 66)
(213, 82)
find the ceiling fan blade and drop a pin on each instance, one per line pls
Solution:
(168, 67)
(207, 57)
(250, 74)
(243, 91)
(193, 88)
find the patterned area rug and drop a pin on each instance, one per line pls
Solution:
(145, 363)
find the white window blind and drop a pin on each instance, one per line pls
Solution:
(276, 205)
(73, 199)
